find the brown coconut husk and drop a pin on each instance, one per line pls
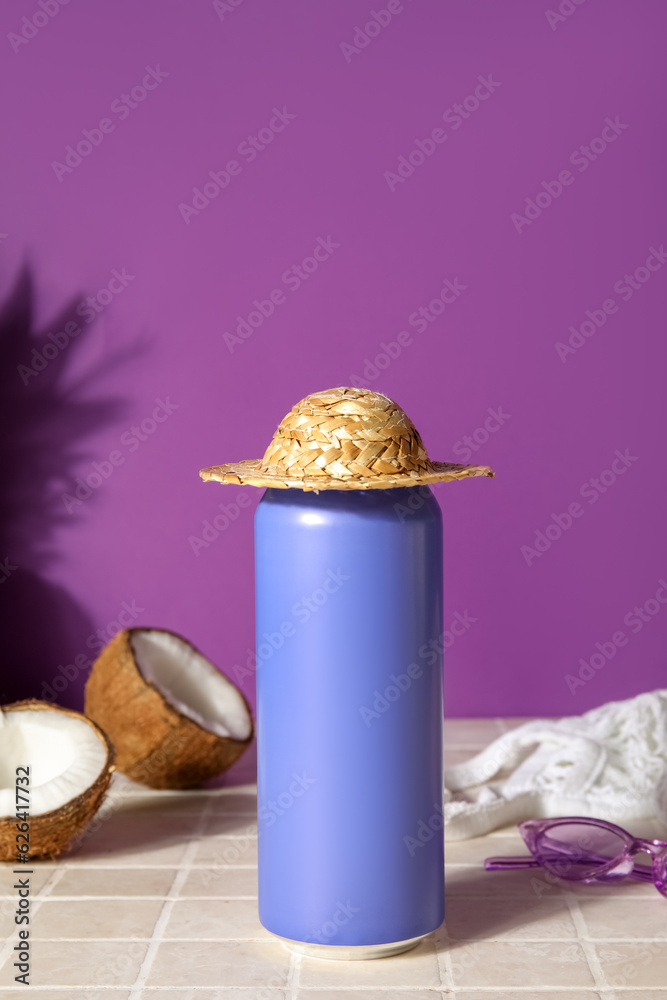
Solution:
(53, 832)
(155, 743)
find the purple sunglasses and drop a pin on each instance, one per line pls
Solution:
(587, 850)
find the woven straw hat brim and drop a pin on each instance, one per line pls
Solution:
(251, 473)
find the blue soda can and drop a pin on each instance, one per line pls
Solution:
(348, 563)
(349, 719)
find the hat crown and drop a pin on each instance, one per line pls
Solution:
(346, 433)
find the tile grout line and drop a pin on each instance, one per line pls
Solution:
(586, 944)
(54, 878)
(184, 868)
(293, 976)
(444, 959)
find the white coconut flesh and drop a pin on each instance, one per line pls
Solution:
(65, 756)
(191, 684)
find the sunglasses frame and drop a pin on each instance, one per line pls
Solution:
(533, 829)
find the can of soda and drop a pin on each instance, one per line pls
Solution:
(348, 571)
(349, 719)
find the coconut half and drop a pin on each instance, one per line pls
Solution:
(174, 719)
(70, 761)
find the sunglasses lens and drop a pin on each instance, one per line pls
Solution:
(578, 850)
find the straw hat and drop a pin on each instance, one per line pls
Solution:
(343, 439)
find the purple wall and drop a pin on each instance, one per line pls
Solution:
(409, 149)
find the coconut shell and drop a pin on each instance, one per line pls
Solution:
(155, 743)
(52, 832)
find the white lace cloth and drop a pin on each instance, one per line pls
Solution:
(610, 762)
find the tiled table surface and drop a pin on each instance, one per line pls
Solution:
(159, 901)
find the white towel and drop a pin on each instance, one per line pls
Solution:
(610, 762)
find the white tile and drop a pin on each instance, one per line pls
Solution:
(41, 873)
(121, 882)
(510, 934)
(223, 824)
(235, 803)
(221, 919)
(150, 836)
(227, 851)
(205, 994)
(625, 917)
(233, 963)
(638, 995)
(532, 883)
(96, 918)
(634, 964)
(90, 994)
(530, 964)
(225, 882)
(531, 995)
(508, 917)
(82, 963)
(370, 994)
(114, 851)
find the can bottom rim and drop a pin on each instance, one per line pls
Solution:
(349, 953)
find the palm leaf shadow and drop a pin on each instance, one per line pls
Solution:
(44, 420)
